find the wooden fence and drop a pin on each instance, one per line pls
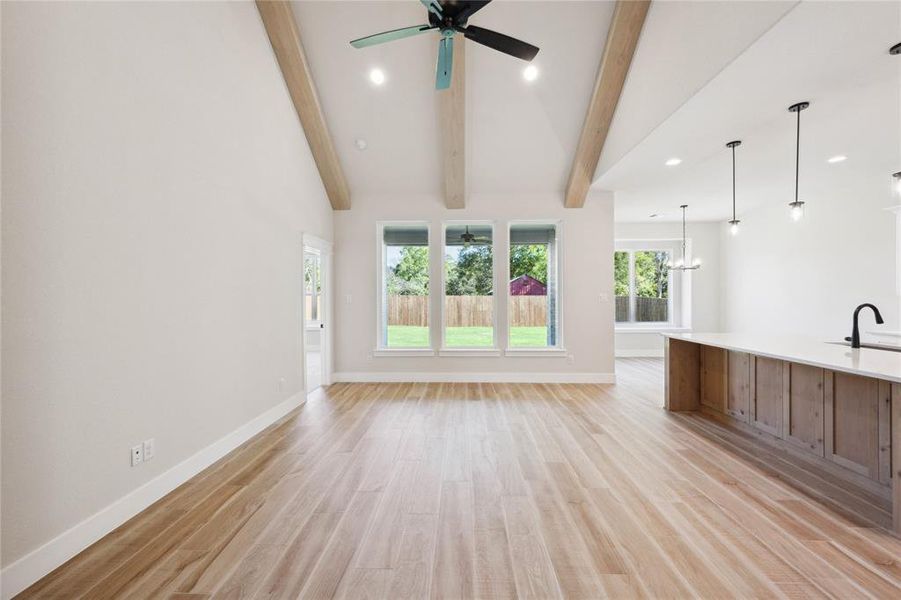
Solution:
(647, 310)
(408, 310)
(467, 311)
(527, 311)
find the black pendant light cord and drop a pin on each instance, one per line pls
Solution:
(797, 155)
(733, 183)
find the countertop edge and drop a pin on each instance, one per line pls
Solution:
(703, 340)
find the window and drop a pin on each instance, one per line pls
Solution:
(469, 286)
(312, 288)
(404, 306)
(643, 285)
(532, 308)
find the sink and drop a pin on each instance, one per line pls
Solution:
(887, 347)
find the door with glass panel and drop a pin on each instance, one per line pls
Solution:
(314, 324)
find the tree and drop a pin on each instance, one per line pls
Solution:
(621, 273)
(471, 274)
(410, 276)
(529, 259)
(651, 274)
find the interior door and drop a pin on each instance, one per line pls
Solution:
(314, 322)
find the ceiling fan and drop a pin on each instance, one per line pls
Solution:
(471, 238)
(450, 17)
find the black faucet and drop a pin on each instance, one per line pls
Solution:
(855, 332)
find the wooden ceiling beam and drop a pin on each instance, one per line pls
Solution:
(452, 125)
(278, 18)
(622, 38)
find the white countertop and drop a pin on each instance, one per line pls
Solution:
(882, 364)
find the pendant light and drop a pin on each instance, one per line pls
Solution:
(681, 264)
(797, 207)
(733, 224)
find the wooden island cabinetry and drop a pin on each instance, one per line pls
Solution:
(827, 406)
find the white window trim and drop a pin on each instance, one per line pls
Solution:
(523, 351)
(679, 285)
(381, 349)
(494, 349)
(474, 351)
(560, 348)
(402, 352)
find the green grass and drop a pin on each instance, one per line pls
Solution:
(528, 337)
(405, 336)
(402, 336)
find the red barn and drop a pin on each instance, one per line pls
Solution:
(524, 285)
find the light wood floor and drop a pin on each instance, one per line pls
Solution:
(495, 490)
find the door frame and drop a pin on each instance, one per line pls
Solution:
(323, 248)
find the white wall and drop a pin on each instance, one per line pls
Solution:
(155, 184)
(806, 278)
(705, 282)
(586, 275)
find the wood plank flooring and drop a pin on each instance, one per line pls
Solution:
(496, 491)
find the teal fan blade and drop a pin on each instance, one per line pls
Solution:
(390, 36)
(445, 63)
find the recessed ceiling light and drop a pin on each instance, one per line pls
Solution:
(652, 216)
(530, 73)
(377, 76)
(837, 159)
(672, 162)
(360, 144)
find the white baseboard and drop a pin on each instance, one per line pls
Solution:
(471, 377)
(30, 568)
(648, 353)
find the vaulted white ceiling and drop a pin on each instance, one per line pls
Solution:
(520, 137)
(832, 54)
(703, 73)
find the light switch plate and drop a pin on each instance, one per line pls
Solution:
(148, 449)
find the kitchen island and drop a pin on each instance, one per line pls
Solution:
(833, 407)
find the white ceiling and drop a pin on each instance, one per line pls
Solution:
(520, 137)
(704, 73)
(683, 46)
(833, 54)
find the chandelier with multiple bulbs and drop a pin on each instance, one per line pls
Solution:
(682, 263)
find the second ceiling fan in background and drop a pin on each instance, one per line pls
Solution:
(449, 18)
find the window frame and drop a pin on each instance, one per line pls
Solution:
(559, 347)
(494, 349)
(381, 334)
(317, 290)
(679, 285)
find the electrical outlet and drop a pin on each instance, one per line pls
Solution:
(137, 455)
(281, 384)
(148, 449)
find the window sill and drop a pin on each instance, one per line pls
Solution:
(539, 352)
(402, 352)
(659, 329)
(469, 352)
